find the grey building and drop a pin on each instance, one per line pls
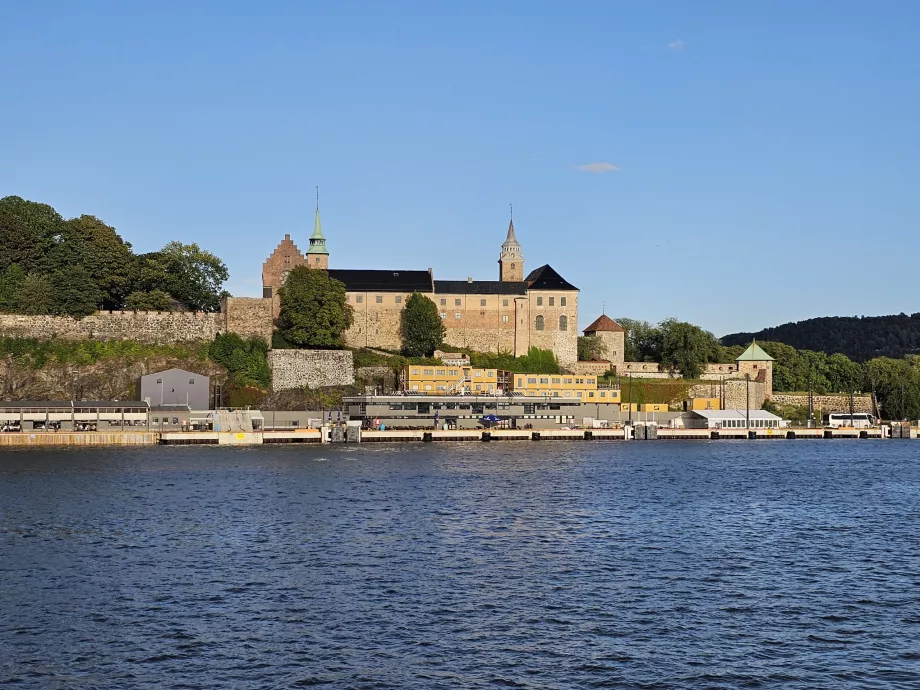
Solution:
(175, 387)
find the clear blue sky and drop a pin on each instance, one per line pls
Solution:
(766, 153)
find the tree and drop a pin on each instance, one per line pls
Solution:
(591, 348)
(89, 242)
(421, 327)
(314, 312)
(35, 295)
(10, 282)
(28, 231)
(75, 291)
(643, 340)
(190, 274)
(155, 300)
(686, 348)
(843, 374)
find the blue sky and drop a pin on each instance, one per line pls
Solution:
(765, 153)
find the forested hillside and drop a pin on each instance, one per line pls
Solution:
(858, 337)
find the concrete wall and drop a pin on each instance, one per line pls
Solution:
(311, 368)
(827, 403)
(143, 326)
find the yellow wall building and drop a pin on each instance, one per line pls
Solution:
(571, 386)
(705, 404)
(441, 379)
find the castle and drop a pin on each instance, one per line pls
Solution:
(511, 314)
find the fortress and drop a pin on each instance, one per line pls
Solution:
(511, 314)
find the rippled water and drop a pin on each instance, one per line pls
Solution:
(533, 565)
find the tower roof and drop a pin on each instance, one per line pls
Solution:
(754, 353)
(317, 239)
(510, 240)
(604, 323)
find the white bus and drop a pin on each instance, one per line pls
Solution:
(860, 420)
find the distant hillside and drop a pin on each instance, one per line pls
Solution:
(858, 337)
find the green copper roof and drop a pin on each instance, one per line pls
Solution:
(754, 353)
(317, 239)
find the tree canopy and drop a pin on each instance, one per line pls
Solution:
(687, 348)
(49, 265)
(591, 348)
(421, 327)
(314, 312)
(858, 337)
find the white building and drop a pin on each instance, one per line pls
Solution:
(732, 419)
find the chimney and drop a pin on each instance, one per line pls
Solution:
(469, 279)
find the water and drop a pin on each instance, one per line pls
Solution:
(534, 565)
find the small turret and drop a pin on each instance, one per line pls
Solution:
(317, 254)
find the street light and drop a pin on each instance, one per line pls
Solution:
(747, 386)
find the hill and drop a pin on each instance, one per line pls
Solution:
(858, 337)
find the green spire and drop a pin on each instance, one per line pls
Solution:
(754, 353)
(317, 239)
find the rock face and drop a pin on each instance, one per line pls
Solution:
(111, 379)
(292, 369)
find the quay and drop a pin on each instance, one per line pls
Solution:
(329, 434)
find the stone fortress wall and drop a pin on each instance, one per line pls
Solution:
(292, 369)
(242, 315)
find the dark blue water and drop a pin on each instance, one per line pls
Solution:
(534, 565)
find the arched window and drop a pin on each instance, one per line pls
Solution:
(539, 323)
(563, 323)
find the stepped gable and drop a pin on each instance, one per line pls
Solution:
(604, 323)
(546, 278)
(480, 287)
(371, 280)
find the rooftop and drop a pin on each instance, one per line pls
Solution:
(546, 278)
(479, 287)
(604, 323)
(370, 280)
(754, 353)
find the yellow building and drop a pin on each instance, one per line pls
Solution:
(442, 379)
(571, 386)
(705, 404)
(653, 407)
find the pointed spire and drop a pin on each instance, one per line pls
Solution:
(511, 239)
(317, 239)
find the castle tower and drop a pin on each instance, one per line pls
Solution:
(317, 254)
(613, 337)
(757, 364)
(511, 261)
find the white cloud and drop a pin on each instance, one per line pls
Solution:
(597, 168)
(677, 45)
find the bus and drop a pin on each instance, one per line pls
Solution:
(858, 420)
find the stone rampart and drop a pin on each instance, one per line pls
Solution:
(143, 326)
(827, 403)
(248, 317)
(293, 369)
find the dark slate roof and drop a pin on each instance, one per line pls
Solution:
(546, 278)
(479, 287)
(360, 280)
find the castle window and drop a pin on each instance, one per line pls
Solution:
(398, 299)
(513, 265)
(563, 322)
(348, 298)
(562, 301)
(456, 315)
(482, 303)
(266, 292)
(539, 301)
(539, 323)
(287, 261)
(379, 299)
(443, 314)
(552, 301)
(505, 319)
(504, 303)
(443, 302)
(317, 260)
(359, 299)
(456, 303)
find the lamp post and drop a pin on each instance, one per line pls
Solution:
(629, 374)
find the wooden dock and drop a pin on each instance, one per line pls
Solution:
(78, 439)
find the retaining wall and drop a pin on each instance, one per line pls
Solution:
(311, 368)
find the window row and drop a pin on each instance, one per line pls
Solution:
(378, 299)
(552, 301)
(563, 323)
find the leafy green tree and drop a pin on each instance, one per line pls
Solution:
(35, 295)
(686, 348)
(643, 340)
(155, 300)
(10, 281)
(75, 291)
(843, 374)
(421, 327)
(591, 348)
(245, 359)
(190, 274)
(28, 231)
(314, 312)
(90, 243)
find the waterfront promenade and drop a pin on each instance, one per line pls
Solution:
(317, 436)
